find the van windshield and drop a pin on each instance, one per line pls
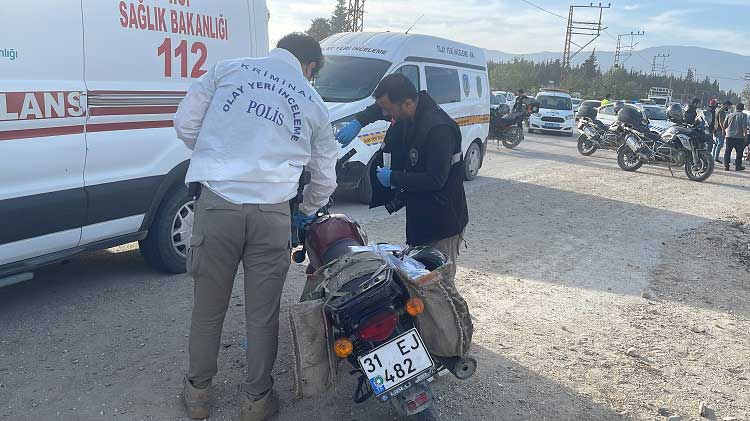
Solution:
(551, 102)
(349, 79)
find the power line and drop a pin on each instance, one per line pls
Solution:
(544, 10)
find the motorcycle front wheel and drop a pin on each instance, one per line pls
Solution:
(513, 138)
(585, 146)
(627, 159)
(701, 170)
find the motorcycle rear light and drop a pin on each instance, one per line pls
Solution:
(378, 327)
(420, 400)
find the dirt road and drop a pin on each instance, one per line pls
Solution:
(597, 294)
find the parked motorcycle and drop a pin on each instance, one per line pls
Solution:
(505, 127)
(680, 145)
(373, 315)
(595, 134)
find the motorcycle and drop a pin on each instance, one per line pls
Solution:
(505, 127)
(680, 145)
(596, 135)
(372, 313)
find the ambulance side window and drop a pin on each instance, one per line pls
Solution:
(411, 73)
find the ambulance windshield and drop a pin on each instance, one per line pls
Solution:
(349, 79)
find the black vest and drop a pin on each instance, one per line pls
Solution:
(430, 216)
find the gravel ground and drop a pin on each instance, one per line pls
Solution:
(597, 294)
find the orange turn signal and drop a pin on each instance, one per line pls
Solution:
(414, 306)
(343, 347)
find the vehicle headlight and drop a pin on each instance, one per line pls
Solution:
(537, 114)
(569, 117)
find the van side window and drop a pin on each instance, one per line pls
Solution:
(443, 84)
(411, 73)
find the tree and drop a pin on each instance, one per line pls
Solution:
(590, 67)
(320, 28)
(339, 19)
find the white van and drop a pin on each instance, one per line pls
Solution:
(88, 155)
(555, 113)
(454, 74)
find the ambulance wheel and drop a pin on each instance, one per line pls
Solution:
(165, 247)
(364, 190)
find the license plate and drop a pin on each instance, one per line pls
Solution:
(552, 125)
(396, 362)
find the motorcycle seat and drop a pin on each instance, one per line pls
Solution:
(511, 119)
(600, 125)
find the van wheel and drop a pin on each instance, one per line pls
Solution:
(364, 190)
(168, 240)
(473, 161)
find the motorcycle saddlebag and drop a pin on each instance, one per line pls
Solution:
(445, 324)
(315, 366)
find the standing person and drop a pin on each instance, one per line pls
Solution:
(736, 134)
(520, 105)
(427, 171)
(252, 124)
(721, 115)
(606, 100)
(691, 114)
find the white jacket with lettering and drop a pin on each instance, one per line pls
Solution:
(252, 124)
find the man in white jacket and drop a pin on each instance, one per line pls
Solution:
(253, 124)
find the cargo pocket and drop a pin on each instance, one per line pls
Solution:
(193, 254)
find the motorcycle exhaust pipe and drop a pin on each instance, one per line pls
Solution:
(461, 367)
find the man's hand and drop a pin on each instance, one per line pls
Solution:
(384, 176)
(348, 133)
(300, 220)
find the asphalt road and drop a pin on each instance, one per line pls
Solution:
(562, 251)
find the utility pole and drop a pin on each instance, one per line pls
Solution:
(580, 31)
(628, 48)
(659, 65)
(356, 16)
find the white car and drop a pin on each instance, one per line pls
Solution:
(88, 154)
(655, 113)
(555, 114)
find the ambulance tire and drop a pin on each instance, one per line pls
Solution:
(364, 189)
(159, 248)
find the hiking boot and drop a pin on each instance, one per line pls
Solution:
(260, 409)
(196, 401)
(726, 167)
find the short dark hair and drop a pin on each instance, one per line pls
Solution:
(398, 88)
(520, 91)
(607, 96)
(740, 106)
(696, 101)
(304, 47)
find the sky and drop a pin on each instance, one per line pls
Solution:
(515, 26)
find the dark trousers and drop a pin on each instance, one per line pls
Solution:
(738, 144)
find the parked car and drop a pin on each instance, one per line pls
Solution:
(576, 103)
(657, 116)
(555, 113)
(88, 154)
(505, 97)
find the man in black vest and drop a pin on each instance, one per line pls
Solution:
(426, 168)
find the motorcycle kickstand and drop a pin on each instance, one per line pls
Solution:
(670, 171)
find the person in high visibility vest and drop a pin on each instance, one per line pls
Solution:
(606, 100)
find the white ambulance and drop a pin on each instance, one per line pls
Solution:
(88, 155)
(454, 74)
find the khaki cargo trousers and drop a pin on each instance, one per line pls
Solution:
(225, 234)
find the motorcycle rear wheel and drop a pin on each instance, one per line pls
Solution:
(514, 138)
(628, 160)
(585, 146)
(704, 168)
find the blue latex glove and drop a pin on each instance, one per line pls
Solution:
(384, 176)
(300, 220)
(348, 133)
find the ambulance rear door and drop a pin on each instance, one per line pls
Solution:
(42, 116)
